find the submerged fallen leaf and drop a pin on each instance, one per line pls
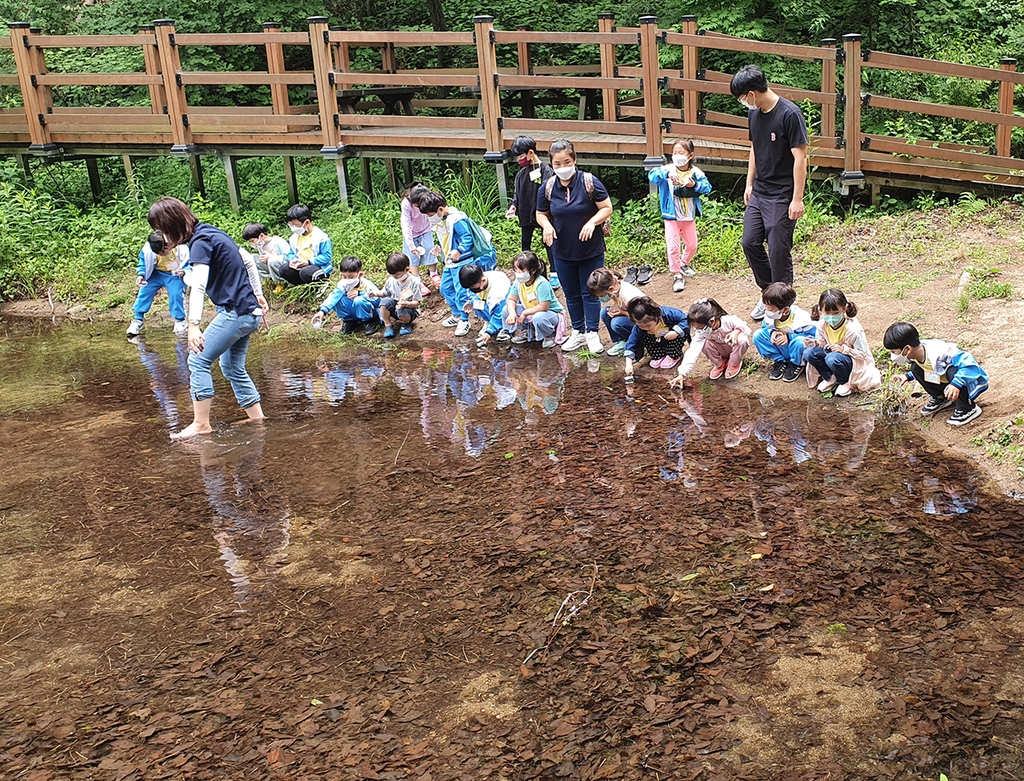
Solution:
(767, 588)
(755, 556)
(691, 576)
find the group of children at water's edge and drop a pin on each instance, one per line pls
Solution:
(827, 343)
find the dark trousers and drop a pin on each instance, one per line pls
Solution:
(302, 276)
(768, 221)
(938, 391)
(526, 243)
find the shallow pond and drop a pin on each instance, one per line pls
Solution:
(753, 589)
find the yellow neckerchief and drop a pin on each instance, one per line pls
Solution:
(528, 294)
(163, 263)
(660, 330)
(836, 335)
(304, 245)
(787, 324)
(928, 367)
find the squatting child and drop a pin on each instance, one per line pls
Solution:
(785, 332)
(488, 292)
(840, 354)
(310, 257)
(722, 337)
(660, 331)
(614, 293)
(532, 311)
(272, 251)
(354, 300)
(401, 296)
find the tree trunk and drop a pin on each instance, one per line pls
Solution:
(440, 26)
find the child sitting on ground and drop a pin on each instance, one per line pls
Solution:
(531, 310)
(722, 337)
(661, 331)
(839, 354)
(310, 257)
(272, 251)
(402, 296)
(488, 292)
(785, 332)
(354, 300)
(949, 375)
(160, 267)
(615, 294)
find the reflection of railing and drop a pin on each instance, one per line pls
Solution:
(625, 110)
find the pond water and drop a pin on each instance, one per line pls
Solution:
(757, 588)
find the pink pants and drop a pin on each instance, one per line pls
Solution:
(719, 352)
(676, 232)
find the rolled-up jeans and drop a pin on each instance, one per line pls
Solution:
(226, 338)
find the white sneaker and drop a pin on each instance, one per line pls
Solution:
(504, 336)
(519, 338)
(134, 328)
(180, 327)
(827, 385)
(678, 284)
(594, 342)
(617, 349)
(450, 322)
(687, 271)
(844, 389)
(757, 313)
(462, 328)
(574, 342)
(548, 343)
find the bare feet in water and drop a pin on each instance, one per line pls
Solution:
(193, 430)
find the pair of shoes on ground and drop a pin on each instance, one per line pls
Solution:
(578, 340)
(840, 390)
(727, 369)
(958, 418)
(639, 275)
(664, 363)
(403, 330)
(351, 326)
(784, 370)
(135, 327)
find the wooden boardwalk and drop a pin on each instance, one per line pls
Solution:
(627, 113)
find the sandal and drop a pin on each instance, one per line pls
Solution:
(644, 275)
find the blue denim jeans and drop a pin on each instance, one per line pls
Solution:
(830, 364)
(584, 309)
(619, 327)
(226, 338)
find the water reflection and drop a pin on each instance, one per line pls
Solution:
(251, 527)
(165, 382)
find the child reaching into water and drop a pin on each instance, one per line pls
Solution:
(661, 331)
(531, 310)
(353, 300)
(680, 185)
(722, 337)
(785, 332)
(839, 355)
(160, 266)
(949, 375)
(614, 293)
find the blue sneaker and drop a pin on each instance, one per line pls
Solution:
(553, 279)
(389, 332)
(405, 330)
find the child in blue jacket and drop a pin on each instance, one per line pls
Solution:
(454, 232)
(785, 332)
(160, 267)
(680, 185)
(489, 290)
(354, 300)
(662, 331)
(310, 258)
(950, 375)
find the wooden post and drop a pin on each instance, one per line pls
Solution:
(1003, 132)
(490, 97)
(366, 176)
(342, 171)
(655, 147)
(32, 96)
(129, 173)
(467, 175)
(388, 59)
(94, 179)
(499, 170)
(39, 59)
(389, 164)
(151, 55)
(691, 57)
(326, 94)
(407, 171)
(609, 97)
(275, 64)
(524, 67)
(25, 168)
(339, 51)
(177, 106)
(195, 167)
(828, 86)
(852, 174)
(234, 190)
(290, 182)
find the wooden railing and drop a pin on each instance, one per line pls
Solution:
(626, 108)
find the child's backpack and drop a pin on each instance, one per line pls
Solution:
(482, 245)
(588, 185)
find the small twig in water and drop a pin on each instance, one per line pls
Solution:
(402, 445)
(572, 608)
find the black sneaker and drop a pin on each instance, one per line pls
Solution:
(963, 418)
(934, 405)
(791, 372)
(371, 328)
(778, 370)
(349, 326)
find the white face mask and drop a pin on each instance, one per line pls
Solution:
(746, 105)
(705, 331)
(899, 359)
(565, 174)
(297, 229)
(435, 219)
(348, 284)
(680, 160)
(401, 280)
(522, 276)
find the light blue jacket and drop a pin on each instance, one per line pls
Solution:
(491, 308)
(659, 176)
(969, 375)
(148, 259)
(323, 251)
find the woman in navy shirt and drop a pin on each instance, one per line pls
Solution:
(230, 278)
(571, 208)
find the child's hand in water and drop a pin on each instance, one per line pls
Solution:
(679, 381)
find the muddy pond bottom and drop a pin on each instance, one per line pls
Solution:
(451, 563)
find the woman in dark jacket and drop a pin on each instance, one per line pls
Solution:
(530, 180)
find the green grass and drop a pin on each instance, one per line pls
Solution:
(983, 284)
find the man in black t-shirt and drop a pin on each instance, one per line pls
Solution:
(776, 175)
